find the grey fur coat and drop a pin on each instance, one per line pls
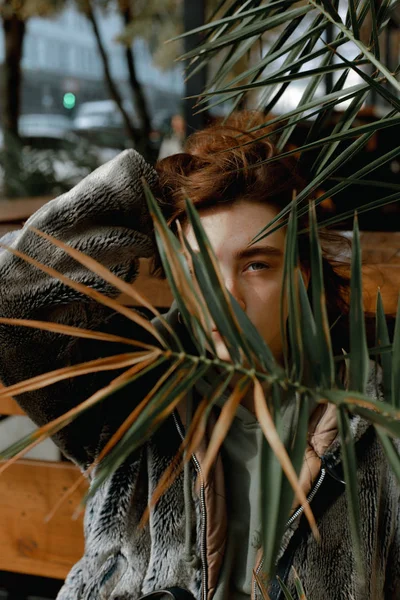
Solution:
(106, 217)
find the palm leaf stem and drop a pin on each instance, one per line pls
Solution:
(336, 396)
(373, 82)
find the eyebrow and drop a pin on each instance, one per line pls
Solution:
(257, 250)
(251, 251)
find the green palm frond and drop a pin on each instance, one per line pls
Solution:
(301, 40)
(300, 383)
(382, 340)
(359, 361)
(308, 375)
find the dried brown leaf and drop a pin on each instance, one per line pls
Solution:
(203, 312)
(91, 293)
(192, 438)
(223, 424)
(74, 331)
(54, 426)
(107, 363)
(114, 439)
(261, 585)
(268, 427)
(191, 301)
(135, 413)
(98, 268)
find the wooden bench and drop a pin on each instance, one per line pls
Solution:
(29, 490)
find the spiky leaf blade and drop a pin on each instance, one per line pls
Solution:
(359, 361)
(319, 303)
(382, 339)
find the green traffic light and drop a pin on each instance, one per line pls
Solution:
(69, 100)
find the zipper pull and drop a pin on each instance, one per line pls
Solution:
(331, 469)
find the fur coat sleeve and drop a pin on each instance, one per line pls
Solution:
(106, 217)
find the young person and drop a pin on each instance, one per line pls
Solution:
(208, 544)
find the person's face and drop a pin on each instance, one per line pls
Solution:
(253, 274)
(178, 125)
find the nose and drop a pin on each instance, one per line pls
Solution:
(232, 285)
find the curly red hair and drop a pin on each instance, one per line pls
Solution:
(224, 162)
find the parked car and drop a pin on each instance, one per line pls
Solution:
(101, 123)
(45, 130)
(55, 132)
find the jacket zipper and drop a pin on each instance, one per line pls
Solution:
(294, 516)
(203, 515)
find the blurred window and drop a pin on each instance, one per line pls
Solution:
(64, 56)
(41, 53)
(31, 52)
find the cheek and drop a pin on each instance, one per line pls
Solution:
(264, 297)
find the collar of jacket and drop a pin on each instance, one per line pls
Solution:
(323, 443)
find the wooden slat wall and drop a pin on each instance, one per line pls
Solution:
(386, 277)
(29, 490)
(8, 406)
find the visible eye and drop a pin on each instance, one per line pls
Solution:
(257, 266)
